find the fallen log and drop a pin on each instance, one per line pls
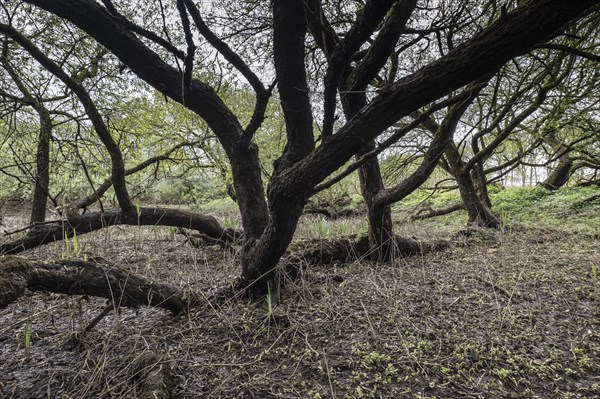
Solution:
(75, 277)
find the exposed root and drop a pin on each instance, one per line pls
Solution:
(349, 249)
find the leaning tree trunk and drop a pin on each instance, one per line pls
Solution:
(480, 215)
(560, 175)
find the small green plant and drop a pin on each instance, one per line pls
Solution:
(76, 248)
(595, 282)
(71, 247)
(501, 373)
(269, 309)
(27, 335)
(229, 222)
(320, 227)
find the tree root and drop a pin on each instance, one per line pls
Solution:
(345, 250)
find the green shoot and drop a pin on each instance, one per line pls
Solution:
(28, 329)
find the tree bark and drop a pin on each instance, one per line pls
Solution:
(87, 278)
(260, 257)
(199, 97)
(42, 163)
(484, 53)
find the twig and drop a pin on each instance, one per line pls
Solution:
(9, 233)
(97, 319)
(495, 287)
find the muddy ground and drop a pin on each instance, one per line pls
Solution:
(510, 314)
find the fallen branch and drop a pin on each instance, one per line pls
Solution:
(87, 278)
(40, 234)
(420, 215)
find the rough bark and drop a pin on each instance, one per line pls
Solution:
(348, 250)
(508, 37)
(381, 227)
(86, 278)
(42, 165)
(260, 257)
(429, 212)
(484, 53)
(352, 83)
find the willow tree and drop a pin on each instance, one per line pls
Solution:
(353, 59)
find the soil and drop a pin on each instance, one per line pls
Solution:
(513, 314)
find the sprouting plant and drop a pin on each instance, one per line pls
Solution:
(76, 248)
(269, 308)
(229, 222)
(320, 227)
(595, 277)
(27, 335)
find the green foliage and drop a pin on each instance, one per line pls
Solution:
(513, 199)
(432, 198)
(569, 208)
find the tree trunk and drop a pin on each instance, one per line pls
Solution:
(480, 215)
(478, 177)
(560, 175)
(381, 228)
(42, 176)
(261, 255)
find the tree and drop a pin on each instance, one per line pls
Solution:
(269, 221)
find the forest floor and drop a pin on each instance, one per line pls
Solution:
(499, 314)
